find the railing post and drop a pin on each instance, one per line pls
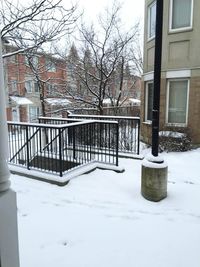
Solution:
(74, 142)
(90, 139)
(60, 153)
(117, 144)
(138, 138)
(27, 148)
(40, 137)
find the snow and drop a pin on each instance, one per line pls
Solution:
(57, 101)
(100, 219)
(21, 100)
(171, 134)
(68, 175)
(154, 165)
(151, 161)
(134, 100)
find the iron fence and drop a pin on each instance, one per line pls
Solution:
(59, 147)
(129, 130)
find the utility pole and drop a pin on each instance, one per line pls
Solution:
(9, 254)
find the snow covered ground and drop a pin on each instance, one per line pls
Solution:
(101, 219)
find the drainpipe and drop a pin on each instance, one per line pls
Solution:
(9, 255)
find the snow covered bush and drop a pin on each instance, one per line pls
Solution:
(174, 141)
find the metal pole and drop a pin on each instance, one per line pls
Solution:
(4, 171)
(117, 144)
(60, 154)
(157, 77)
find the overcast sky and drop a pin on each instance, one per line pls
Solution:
(132, 11)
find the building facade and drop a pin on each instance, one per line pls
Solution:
(180, 76)
(35, 85)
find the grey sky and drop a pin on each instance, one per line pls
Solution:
(132, 10)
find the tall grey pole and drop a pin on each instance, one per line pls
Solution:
(9, 251)
(157, 77)
(4, 172)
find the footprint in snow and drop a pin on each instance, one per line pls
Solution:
(188, 182)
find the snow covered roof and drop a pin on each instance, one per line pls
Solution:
(108, 101)
(21, 100)
(57, 101)
(134, 100)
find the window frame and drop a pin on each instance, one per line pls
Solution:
(32, 82)
(171, 30)
(50, 65)
(31, 86)
(51, 89)
(13, 86)
(167, 102)
(34, 59)
(146, 100)
(149, 38)
(37, 109)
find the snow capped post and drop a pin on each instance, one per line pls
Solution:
(154, 169)
(9, 255)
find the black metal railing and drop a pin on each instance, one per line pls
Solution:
(129, 130)
(60, 147)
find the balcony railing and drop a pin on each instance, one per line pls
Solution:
(129, 130)
(59, 146)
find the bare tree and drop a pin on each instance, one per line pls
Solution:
(136, 55)
(104, 55)
(29, 26)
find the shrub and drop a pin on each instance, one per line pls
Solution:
(174, 141)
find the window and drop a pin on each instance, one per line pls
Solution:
(181, 14)
(149, 101)
(31, 86)
(28, 86)
(177, 106)
(51, 89)
(32, 59)
(36, 87)
(13, 86)
(152, 20)
(34, 113)
(35, 61)
(50, 66)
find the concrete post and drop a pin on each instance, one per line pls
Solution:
(9, 254)
(154, 179)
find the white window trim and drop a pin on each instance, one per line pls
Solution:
(183, 28)
(187, 104)
(146, 101)
(149, 76)
(178, 74)
(149, 38)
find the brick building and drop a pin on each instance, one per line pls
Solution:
(40, 84)
(31, 80)
(180, 77)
